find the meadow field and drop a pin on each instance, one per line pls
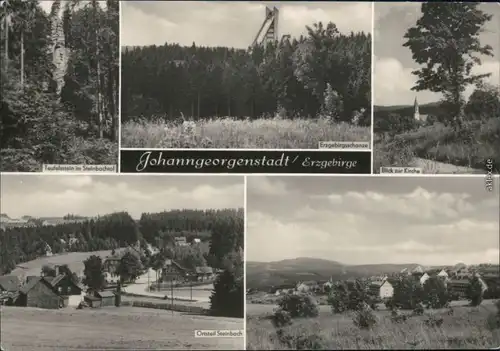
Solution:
(74, 260)
(440, 149)
(111, 328)
(274, 133)
(465, 328)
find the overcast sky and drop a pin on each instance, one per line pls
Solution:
(371, 220)
(230, 23)
(393, 64)
(56, 195)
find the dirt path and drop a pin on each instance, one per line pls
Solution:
(435, 167)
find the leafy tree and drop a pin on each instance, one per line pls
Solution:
(483, 103)
(48, 271)
(474, 292)
(129, 268)
(94, 273)
(299, 305)
(435, 293)
(446, 41)
(408, 293)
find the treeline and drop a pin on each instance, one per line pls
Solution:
(59, 84)
(224, 228)
(324, 73)
(482, 105)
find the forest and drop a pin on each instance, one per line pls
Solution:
(60, 77)
(220, 231)
(322, 74)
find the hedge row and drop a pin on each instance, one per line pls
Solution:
(166, 306)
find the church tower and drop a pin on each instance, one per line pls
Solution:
(416, 113)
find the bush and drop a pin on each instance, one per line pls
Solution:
(301, 339)
(364, 318)
(419, 309)
(474, 291)
(300, 305)
(281, 318)
(434, 321)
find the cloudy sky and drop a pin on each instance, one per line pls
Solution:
(58, 195)
(393, 62)
(356, 220)
(228, 23)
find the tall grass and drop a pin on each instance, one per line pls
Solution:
(466, 328)
(274, 133)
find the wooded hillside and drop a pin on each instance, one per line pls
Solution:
(59, 83)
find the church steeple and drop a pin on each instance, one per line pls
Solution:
(416, 113)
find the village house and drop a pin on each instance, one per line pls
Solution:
(180, 241)
(283, 289)
(38, 292)
(173, 271)
(97, 299)
(203, 273)
(66, 287)
(196, 241)
(382, 288)
(307, 286)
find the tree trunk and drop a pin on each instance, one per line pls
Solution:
(98, 73)
(6, 43)
(198, 107)
(22, 58)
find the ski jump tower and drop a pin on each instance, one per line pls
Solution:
(268, 32)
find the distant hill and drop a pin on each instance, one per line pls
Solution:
(262, 275)
(426, 109)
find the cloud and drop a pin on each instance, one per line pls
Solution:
(90, 197)
(393, 82)
(75, 181)
(261, 185)
(374, 226)
(233, 24)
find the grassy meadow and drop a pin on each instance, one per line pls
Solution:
(131, 328)
(463, 328)
(440, 149)
(274, 133)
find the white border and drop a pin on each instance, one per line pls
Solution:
(119, 86)
(245, 264)
(372, 66)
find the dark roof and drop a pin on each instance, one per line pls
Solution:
(90, 297)
(9, 282)
(54, 281)
(377, 283)
(203, 270)
(31, 284)
(105, 293)
(169, 262)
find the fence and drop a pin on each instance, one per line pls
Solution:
(166, 306)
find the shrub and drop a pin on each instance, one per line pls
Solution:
(300, 305)
(419, 309)
(474, 292)
(281, 318)
(434, 321)
(364, 318)
(301, 339)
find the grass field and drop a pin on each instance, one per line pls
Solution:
(275, 133)
(111, 328)
(74, 260)
(465, 329)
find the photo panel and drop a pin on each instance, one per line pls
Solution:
(436, 88)
(372, 262)
(60, 86)
(122, 261)
(246, 87)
